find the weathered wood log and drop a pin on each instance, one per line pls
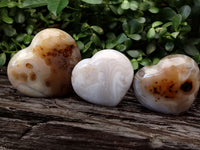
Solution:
(70, 123)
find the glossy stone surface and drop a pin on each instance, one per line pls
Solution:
(44, 68)
(169, 87)
(103, 79)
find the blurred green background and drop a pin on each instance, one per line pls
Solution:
(144, 30)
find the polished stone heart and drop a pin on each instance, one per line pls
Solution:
(44, 68)
(103, 79)
(169, 87)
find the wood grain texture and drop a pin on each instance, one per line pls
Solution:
(70, 123)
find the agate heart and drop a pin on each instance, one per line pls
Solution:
(103, 79)
(44, 68)
(169, 87)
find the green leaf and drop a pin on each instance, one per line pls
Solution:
(145, 62)
(115, 1)
(120, 11)
(20, 17)
(167, 13)
(176, 21)
(169, 46)
(132, 27)
(151, 47)
(134, 53)
(34, 3)
(97, 29)
(139, 59)
(95, 51)
(125, 4)
(27, 39)
(110, 45)
(12, 4)
(75, 37)
(43, 18)
(121, 47)
(168, 36)
(114, 9)
(80, 45)
(155, 61)
(8, 3)
(134, 64)
(20, 37)
(135, 37)
(93, 1)
(81, 35)
(167, 24)
(185, 11)
(4, 45)
(85, 26)
(87, 46)
(121, 38)
(144, 6)
(110, 36)
(4, 3)
(151, 33)
(14, 44)
(141, 20)
(161, 31)
(29, 29)
(186, 28)
(191, 49)
(156, 23)
(154, 10)
(56, 6)
(128, 43)
(134, 5)
(2, 59)
(175, 34)
(94, 38)
(5, 17)
(9, 30)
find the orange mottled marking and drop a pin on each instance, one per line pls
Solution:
(29, 66)
(59, 59)
(165, 85)
(32, 76)
(20, 76)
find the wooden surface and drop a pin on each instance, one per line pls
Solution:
(71, 123)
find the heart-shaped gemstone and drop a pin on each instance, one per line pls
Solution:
(103, 79)
(170, 86)
(44, 68)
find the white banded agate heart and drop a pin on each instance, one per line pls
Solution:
(169, 87)
(44, 68)
(103, 79)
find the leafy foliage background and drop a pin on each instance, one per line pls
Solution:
(144, 30)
